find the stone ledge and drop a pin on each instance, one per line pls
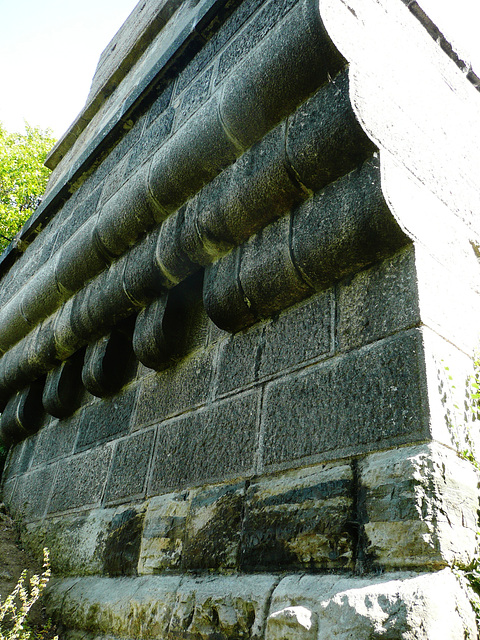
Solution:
(268, 607)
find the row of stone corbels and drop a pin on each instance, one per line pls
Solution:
(321, 142)
(294, 60)
(335, 233)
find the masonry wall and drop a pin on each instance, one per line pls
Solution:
(218, 358)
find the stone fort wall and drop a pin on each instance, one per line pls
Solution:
(224, 340)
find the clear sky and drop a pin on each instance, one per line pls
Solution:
(49, 50)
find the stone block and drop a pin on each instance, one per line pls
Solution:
(79, 259)
(108, 362)
(208, 445)
(127, 214)
(163, 536)
(76, 541)
(395, 605)
(420, 507)
(23, 414)
(164, 93)
(80, 481)
(32, 491)
(170, 258)
(57, 440)
(106, 418)
(122, 543)
(194, 97)
(209, 149)
(130, 465)
(141, 278)
(180, 387)
(227, 607)
(365, 400)
(324, 139)
(256, 30)
(122, 607)
(268, 277)
(299, 334)
(238, 358)
(378, 302)
(223, 296)
(300, 520)
(344, 227)
(214, 527)
(20, 457)
(280, 73)
(61, 392)
(154, 135)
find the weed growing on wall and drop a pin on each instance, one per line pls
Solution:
(16, 606)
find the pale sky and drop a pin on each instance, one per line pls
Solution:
(49, 50)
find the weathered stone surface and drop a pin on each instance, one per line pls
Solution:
(163, 534)
(214, 527)
(324, 139)
(279, 74)
(238, 359)
(23, 414)
(300, 519)
(212, 444)
(56, 440)
(299, 334)
(123, 607)
(344, 227)
(223, 607)
(80, 480)
(373, 397)
(420, 507)
(62, 388)
(130, 465)
(107, 363)
(178, 388)
(76, 541)
(378, 302)
(405, 605)
(122, 543)
(106, 418)
(31, 497)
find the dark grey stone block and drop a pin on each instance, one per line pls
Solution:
(365, 400)
(194, 97)
(238, 359)
(108, 362)
(127, 214)
(142, 279)
(279, 74)
(20, 457)
(155, 133)
(253, 33)
(324, 139)
(23, 414)
(170, 256)
(223, 296)
(106, 418)
(302, 520)
(32, 492)
(151, 340)
(268, 277)
(62, 387)
(130, 466)
(114, 181)
(213, 528)
(298, 335)
(56, 440)
(161, 103)
(80, 480)
(343, 228)
(180, 387)
(209, 149)
(79, 259)
(378, 301)
(213, 444)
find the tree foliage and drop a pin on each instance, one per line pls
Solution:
(23, 177)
